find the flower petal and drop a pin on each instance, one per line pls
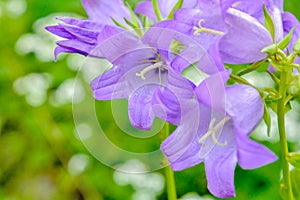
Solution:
(245, 106)
(251, 154)
(182, 147)
(140, 107)
(167, 100)
(245, 39)
(122, 48)
(110, 85)
(101, 11)
(220, 174)
(220, 165)
(211, 91)
(77, 46)
(145, 8)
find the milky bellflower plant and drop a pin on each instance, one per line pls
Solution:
(150, 65)
(220, 137)
(139, 69)
(240, 23)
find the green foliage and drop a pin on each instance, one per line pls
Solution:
(37, 142)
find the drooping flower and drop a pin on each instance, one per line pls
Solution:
(141, 71)
(82, 36)
(237, 26)
(142, 74)
(217, 133)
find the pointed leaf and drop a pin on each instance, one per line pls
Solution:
(270, 49)
(177, 6)
(297, 46)
(157, 10)
(133, 16)
(269, 24)
(119, 24)
(286, 40)
(294, 159)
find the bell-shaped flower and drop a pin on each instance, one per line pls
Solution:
(215, 130)
(82, 36)
(142, 74)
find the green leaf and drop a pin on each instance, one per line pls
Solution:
(269, 24)
(294, 159)
(267, 118)
(177, 6)
(136, 29)
(118, 24)
(133, 16)
(157, 10)
(194, 74)
(272, 49)
(286, 40)
(297, 46)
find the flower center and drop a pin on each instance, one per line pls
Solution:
(158, 65)
(212, 131)
(201, 29)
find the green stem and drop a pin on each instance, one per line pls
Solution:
(171, 188)
(284, 146)
(251, 68)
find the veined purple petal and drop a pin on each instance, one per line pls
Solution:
(145, 8)
(82, 23)
(290, 21)
(122, 48)
(81, 36)
(58, 50)
(245, 39)
(101, 11)
(85, 35)
(251, 154)
(220, 164)
(220, 174)
(211, 91)
(110, 85)
(60, 31)
(245, 106)
(120, 82)
(166, 106)
(182, 147)
(76, 46)
(140, 107)
(167, 100)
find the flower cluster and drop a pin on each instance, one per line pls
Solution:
(155, 47)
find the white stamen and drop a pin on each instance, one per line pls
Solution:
(201, 29)
(159, 65)
(212, 131)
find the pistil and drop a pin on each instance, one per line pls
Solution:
(212, 131)
(201, 29)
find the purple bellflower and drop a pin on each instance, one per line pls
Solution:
(140, 72)
(82, 36)
(217, 133)
(238, 25)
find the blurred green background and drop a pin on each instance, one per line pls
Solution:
(41, 155)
